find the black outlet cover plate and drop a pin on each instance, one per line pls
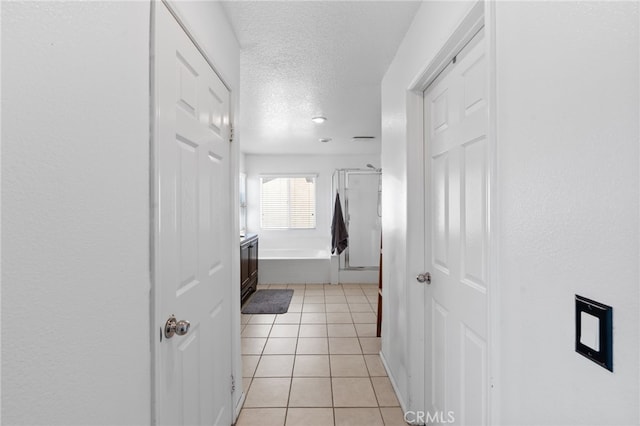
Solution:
(603, 356)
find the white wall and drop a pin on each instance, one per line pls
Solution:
(323, 166)
(401, 226)
(208, 24)
(75, 214)
(568, 192)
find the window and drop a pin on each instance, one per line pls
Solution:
(243, 203)
(288, 202)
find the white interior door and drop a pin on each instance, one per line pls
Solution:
(456, 170)
(192, 257)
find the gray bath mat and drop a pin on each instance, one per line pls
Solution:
(268, 302)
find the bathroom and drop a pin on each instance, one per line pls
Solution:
(303, 255)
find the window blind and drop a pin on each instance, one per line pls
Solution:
(288, 202)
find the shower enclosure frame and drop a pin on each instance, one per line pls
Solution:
(335, 187)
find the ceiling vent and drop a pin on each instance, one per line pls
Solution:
(363, 138)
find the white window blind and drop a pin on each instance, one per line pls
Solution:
(288, 202)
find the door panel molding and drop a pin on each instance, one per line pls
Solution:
(454, 188)
(185, 28)
(480, 15)
(190, 171)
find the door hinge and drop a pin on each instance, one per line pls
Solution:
(233, 384)
(230, 133)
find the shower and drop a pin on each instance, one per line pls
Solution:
(359, 190)
(379, 187)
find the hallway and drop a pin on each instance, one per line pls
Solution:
(318, 364)
(556, 176)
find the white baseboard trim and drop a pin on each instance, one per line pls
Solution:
(403, 405)
(239, 407)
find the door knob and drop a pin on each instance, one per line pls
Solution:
(425, 277)
(172, 326)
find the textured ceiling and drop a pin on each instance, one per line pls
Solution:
(300, 59)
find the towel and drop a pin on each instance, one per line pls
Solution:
(339, 234)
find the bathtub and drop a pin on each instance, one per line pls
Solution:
(294, 266)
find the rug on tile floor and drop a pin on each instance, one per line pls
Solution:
(268, 302)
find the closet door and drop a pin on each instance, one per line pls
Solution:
(456, 191)
(192, 235)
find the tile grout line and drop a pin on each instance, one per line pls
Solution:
(331, 374)
(333, 408)
(295, 355)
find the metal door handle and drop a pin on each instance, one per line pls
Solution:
(172, 326)
(425, 277)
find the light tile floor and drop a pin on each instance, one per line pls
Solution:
(318, 364)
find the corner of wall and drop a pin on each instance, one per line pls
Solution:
(403, 344)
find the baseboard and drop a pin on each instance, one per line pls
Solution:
(403, 405)
(239, 407)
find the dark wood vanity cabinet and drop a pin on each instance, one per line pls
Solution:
(248, 266)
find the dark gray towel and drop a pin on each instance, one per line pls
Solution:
(339, 234)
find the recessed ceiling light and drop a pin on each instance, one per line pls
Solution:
(325, 140)
(319, 119)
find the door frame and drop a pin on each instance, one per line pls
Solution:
(481, 14)
(154, 296)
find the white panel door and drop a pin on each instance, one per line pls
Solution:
(456, 190)
(193, 373)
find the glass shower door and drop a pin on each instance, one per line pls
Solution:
(363, 220)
